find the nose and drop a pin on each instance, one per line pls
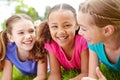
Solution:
(28, 36)
(80, 32)
(61, 31)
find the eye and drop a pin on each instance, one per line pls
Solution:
(67, 26)
(53, 27)
(31, 31)
(20, 32)
(83, 28)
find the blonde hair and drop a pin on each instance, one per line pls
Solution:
(104, 12)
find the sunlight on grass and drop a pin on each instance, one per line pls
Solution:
(67, 74)
(18, 76)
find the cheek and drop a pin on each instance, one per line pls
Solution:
(52, 33)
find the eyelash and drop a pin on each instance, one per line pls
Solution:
(83, 29)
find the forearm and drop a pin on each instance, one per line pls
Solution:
(82, 75)
(40, 77)
(55, 76)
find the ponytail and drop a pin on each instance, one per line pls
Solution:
(3, 43)
(43, 32)
(43, 35)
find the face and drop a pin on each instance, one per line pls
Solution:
(62, 25)
(23, 34)
(89, 30)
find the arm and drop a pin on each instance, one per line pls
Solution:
(55, 70)
(93, 63)
(41, 70)
(84, 65)
(7, 71)
(99, 74)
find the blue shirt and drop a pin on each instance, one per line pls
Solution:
(99, 50)
(27, 67)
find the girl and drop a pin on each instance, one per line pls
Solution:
(99, 22)
(20, 48)
(66, 48)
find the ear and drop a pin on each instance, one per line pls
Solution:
(10, 37)
(109, 30)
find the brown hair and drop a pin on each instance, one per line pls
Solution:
(37, 51)
(42, 37)
(3, 35)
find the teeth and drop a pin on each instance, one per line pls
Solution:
(62, 38)
(28, 42)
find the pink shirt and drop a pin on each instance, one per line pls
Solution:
(75, 62)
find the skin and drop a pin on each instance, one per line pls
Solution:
(94, 35)
(23, 34)
(62, 25)
(99, 74)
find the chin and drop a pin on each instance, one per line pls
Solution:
(92, 43)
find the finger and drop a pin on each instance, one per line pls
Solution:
(99, 74)
(87, 78)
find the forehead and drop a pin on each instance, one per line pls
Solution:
(85, 18)
(61, 15)
(22, 24)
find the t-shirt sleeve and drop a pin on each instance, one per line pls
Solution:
(80, 43)
(50, 47)
(84, 44)
(91, 47)
(6, 57)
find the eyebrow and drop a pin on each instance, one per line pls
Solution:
(81, 25)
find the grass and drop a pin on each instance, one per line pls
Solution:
(67, 74)
(18, 76)
(110, 74)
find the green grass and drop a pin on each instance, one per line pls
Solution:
(67, 74)
(110, 74)
(18, 76)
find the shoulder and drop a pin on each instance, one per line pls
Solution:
(80, 41)
(11, 45)
(52, 46)
(95, 47)
(80, 38)
(11, 49)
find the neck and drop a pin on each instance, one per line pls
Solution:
(68, 50)
(23, 55)
(112, 44)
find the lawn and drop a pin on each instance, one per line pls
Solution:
(110, 75)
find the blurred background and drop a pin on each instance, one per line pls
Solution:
(37, 9)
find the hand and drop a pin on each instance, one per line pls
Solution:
(76, 78)
(99, 74)
(88, 78)
(39, 78)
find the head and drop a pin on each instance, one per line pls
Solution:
(19, 29)
(62, 24)
(99, 20)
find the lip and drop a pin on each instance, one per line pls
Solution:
(62, 38)
(28, 42)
